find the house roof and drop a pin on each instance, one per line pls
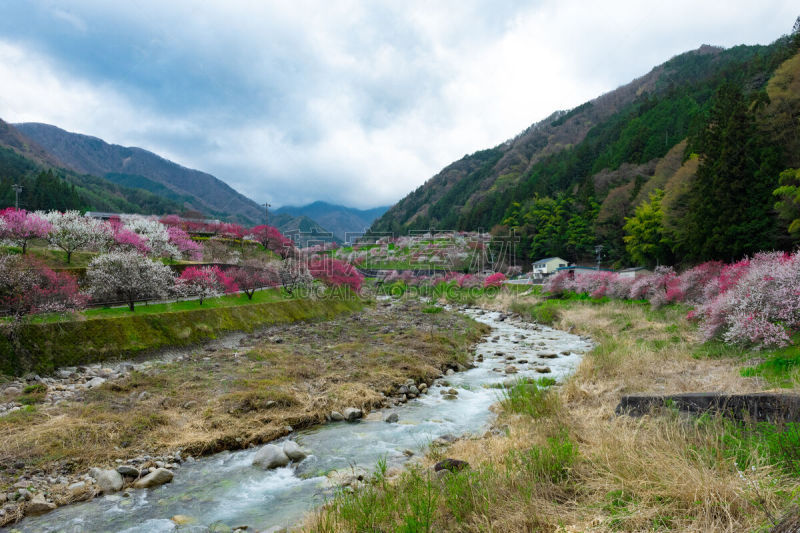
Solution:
(633, 269)
(548, 259)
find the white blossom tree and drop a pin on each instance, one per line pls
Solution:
(128, 277)
(71, 231)
(294, 275)
(156, 235)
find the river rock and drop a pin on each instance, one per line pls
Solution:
(38, 505)
(443, 440)
(270, 456)
(511, 369)
(403, 389)
(95, 382)
(336, 416)
(453, 465)
(127, 470)
(107, 480)
(454, 392)
(182, 519)
(351, 414)
(157, 477)
(548, 355)
(293, 451)
(392, 418)
(543, 369)
(413, 390)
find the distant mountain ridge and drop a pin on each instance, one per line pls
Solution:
(139, 168)
(338, 219)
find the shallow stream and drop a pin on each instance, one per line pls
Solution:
(226, 489)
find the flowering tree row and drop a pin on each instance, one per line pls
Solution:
(755, 301)
(70, 232)
(27, 286)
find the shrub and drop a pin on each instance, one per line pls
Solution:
(494, 280)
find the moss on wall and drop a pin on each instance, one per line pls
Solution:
(45, 347)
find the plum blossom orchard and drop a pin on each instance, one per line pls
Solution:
(753, 302)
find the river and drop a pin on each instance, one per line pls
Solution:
(226, 489)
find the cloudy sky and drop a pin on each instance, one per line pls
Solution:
(354, 102)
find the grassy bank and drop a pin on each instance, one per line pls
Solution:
(565, 462)
(288, 375)
(105, 334)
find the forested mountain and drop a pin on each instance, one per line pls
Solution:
(679, 164)
(338, 219)
(138, 168)
(45, 185)
(303, 230)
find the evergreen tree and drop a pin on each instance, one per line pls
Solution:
(730, 207)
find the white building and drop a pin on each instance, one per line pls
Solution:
(548, 265)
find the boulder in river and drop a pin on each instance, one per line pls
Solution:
(392, 418)
(543, 369)
(107, 480)
(157, 477)
(271, 456)
(127, 470)
(511, 369)
(293, 451)
(351, 414)
(336, 416)
(38, 505)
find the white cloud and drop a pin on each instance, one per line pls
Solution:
(351, 102)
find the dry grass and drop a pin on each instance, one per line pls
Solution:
(657, 473)
(234, 398)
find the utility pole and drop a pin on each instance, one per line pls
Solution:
(266, 211)
(599, 251)
(17, 189)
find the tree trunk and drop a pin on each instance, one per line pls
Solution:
(69, 257)
(130, 305)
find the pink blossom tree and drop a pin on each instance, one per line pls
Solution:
(205, 282)
(20, 227)
(253, 276)
(185, 245)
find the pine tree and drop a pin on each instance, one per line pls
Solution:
(730, 208)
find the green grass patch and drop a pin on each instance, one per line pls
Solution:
(530, 397)
(419, 502)
(781, 366)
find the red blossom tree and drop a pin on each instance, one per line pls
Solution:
(272, 239)
(28, 287)
(335, 273)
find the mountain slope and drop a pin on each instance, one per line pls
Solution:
(46, 185)
(134, 166)
(301, 229)
(338, 219)
(597, 159)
